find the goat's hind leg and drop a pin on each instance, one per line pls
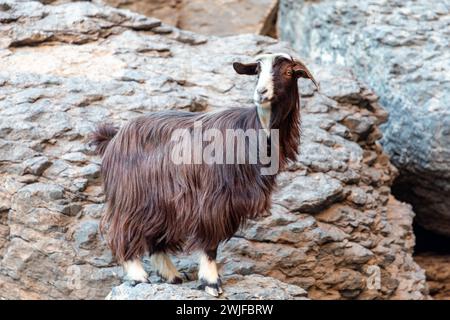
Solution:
(165, 268)
(135, 271)
(208, 273)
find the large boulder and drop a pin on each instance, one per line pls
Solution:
(210, 17)
(334, 230)
(401, 50)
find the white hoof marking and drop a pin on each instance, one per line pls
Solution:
(135, 270)
(212, 291)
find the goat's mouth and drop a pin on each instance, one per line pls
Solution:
(263, 100)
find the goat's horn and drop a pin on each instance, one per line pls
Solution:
(302, 71)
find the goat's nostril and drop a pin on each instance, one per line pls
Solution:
(262, 91)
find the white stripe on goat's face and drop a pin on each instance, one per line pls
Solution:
(264, 86)
(264, 90)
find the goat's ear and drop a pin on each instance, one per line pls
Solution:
(301, 71)
(241, 68)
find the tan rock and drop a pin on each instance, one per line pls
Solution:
(210, 17)
(437, 270)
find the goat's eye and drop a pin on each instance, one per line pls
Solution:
(289, 73)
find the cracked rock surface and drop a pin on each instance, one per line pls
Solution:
(401, 49)
(334, 230)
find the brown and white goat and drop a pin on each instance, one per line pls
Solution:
(157, 207)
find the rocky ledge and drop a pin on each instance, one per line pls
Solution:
(252, 287)
(334, 229)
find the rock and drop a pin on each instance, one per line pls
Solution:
(309, 193)
(209, 17)
(334, 229)
(36, 166)
(75, 157)
(85, 233)
(358, 196)
(404, 62)
(252, 287)
(437, 269)
(45, 192)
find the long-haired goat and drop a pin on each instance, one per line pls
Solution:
(157, 207)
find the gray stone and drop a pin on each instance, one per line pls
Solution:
(36, 165)
(46, 192)
(42, 26)
(86, 233)
(400, 49)
(93, 210)
(309, 193)
(358, 196)
(252, 287)
(74, 157)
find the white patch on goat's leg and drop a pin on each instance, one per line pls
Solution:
(208, 269)
(135, 270)
(165, 268)
(209, 275)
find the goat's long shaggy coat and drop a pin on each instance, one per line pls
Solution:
(155, 205)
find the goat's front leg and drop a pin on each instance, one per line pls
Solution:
(165, 268)
(135, 271)
(208, 273)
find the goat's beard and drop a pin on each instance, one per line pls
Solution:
(264, 111)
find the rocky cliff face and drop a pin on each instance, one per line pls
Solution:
(334, 229)
(401, 49)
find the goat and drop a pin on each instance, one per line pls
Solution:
(157, 207)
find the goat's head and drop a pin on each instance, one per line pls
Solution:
(277, 73)
(277, 80)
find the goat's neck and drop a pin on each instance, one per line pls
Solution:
(285, 116)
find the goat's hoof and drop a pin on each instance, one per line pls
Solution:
(186, 276)
(176, 280)
(133, 283)
(214, 289)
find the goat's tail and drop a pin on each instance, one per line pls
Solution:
(101, 136)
